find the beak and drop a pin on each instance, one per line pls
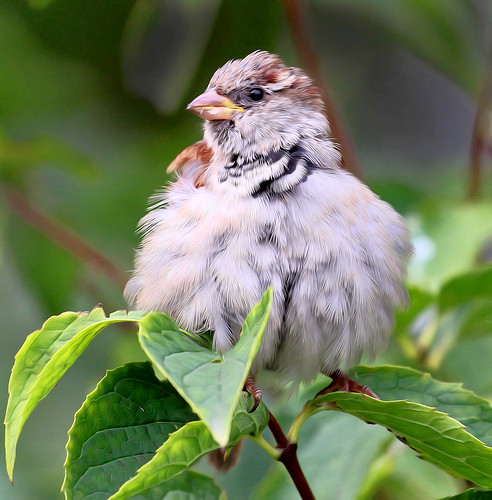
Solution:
(212, 106)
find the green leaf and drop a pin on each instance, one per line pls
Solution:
(436, 437)
(187, 445)
(118, 429)
(43, 359)
(245, 423)
(179, 452)
(209, 381)
(397, 382)
(471, 495)
(189, 485)
(464, 288)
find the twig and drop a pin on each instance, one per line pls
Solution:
(476, 155)
(63, 236)
(278, 433)
(289, 459)
(479, 141)
(297, 22)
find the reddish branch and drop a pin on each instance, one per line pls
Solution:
(480, 130)
(289, 459)
(297, 22)
(277, 432)
(63, 236)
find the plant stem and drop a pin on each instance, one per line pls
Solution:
(293, 434)
(480, 131)
(295, 12)
(277, 431)
(288, 457)
(478, 143)
(266, 446)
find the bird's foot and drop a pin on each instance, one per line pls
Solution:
(251, 388)
(342, 382)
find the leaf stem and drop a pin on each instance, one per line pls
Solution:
(288, 457)
(266, 446)
(295, 428)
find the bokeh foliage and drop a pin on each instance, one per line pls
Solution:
(91, 112)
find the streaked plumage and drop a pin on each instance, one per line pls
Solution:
(262, 201)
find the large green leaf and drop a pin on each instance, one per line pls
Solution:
(209, 381)
(189, 485)
(466, 287)
(43, 359)
(435, 436)
(397, 382)
(118, 429)
(187, 445)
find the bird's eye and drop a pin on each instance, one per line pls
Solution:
(256, 94)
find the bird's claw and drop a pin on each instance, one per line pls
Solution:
(251, 388)
(342, 382)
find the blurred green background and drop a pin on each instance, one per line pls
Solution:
(92, 99)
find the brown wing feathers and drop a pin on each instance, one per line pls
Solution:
(193, 161)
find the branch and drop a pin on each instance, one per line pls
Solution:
(296, 18)
(289, 458)
(479, 136)
(277, 431)
(63, 236)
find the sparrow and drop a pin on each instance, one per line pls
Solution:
(263, 200)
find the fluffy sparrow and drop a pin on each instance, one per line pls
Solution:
(262, 200)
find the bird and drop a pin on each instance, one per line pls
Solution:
(263, 200)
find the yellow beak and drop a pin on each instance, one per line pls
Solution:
(212, 106)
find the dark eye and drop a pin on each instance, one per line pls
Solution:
(256, 94)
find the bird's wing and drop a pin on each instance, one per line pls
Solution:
(193, 162)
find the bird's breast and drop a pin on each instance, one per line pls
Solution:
(334, 254)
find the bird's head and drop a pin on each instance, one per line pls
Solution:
(256, 105)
